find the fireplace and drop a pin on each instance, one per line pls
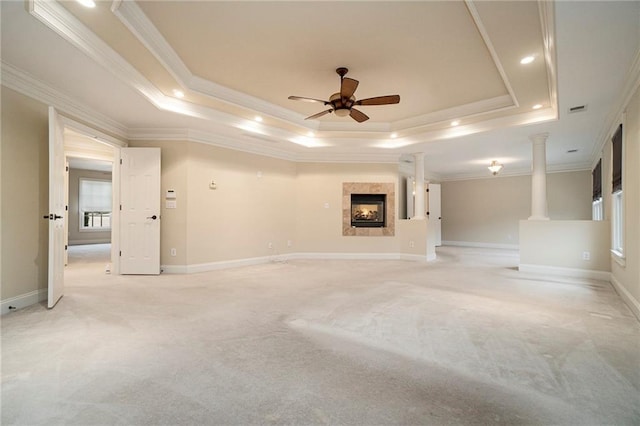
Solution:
(368, 210)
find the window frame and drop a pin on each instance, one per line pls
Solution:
(618, 199)
(81, 213)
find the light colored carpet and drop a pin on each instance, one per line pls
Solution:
(464, 340)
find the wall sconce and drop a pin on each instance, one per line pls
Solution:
(495, 167)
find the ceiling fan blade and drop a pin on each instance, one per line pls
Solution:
(300, 98)
(320, 114)
(380, 100)
(359, 116)
(347, 87)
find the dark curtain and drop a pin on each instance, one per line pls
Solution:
(597, 181)
(617, 160)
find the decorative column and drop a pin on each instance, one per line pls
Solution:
(539, 178)
(419, 206)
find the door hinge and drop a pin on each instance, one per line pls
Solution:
(65, 247)
(66, 169)
(120, 206)
(66, 208)
(120, 254)
(121, 161)
(427, 189)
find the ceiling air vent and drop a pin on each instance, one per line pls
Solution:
(578, 108)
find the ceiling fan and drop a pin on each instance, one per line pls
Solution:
(342, 102)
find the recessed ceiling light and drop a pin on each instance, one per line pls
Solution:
(258, 119)
(455, 122)
(178, 93)
(87, 3)
(537, 106)
(527, 60)
(394, 135)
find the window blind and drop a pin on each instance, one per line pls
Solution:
(597, 181)
(95, 195)
(617, 160)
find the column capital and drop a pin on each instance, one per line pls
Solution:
(539, 137)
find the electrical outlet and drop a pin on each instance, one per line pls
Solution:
(174, 252)
(289, 243)
(270, 245)
(412, 244)
(586, 255)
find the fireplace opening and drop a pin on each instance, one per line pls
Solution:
(368, 210)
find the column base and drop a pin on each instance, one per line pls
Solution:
(538, 218)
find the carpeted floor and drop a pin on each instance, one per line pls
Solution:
(464, 340)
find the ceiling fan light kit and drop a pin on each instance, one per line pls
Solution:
(342, 102)
(495, 167)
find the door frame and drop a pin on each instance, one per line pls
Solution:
(116, 144)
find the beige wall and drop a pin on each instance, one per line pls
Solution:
(628, 276)
(254, 204)
(562, 243)
(319, 228)
(75, 235)
(259, 200)
(489, 210)
(24, 194)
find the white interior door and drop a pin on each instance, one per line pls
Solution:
(57, 211)
(66, 210)
(140, 211)
(435, 212)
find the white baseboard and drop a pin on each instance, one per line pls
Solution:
(565, 272)
(481, 245)
(83, 242)
(631, 302)
(345, 256)
(225, 264)
(23, 300)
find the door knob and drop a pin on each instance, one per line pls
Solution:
(154, 217)
(51, 216)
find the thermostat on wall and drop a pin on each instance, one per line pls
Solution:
(171, 194)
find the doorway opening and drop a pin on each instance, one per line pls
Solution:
(89, 200)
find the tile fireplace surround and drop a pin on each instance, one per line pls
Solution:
(349, 188)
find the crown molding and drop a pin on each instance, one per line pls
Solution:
(250, 145)
(521, 171)
(470, 110)
(632, 82)
(142, 28)
(130, 14)
(548, 26)
(71, 29)
(22, 82)
(492, 51)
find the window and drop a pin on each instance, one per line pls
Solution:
(95, 205)
(597, 211)
(597, 207)
(617, 200)
(617, 222)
